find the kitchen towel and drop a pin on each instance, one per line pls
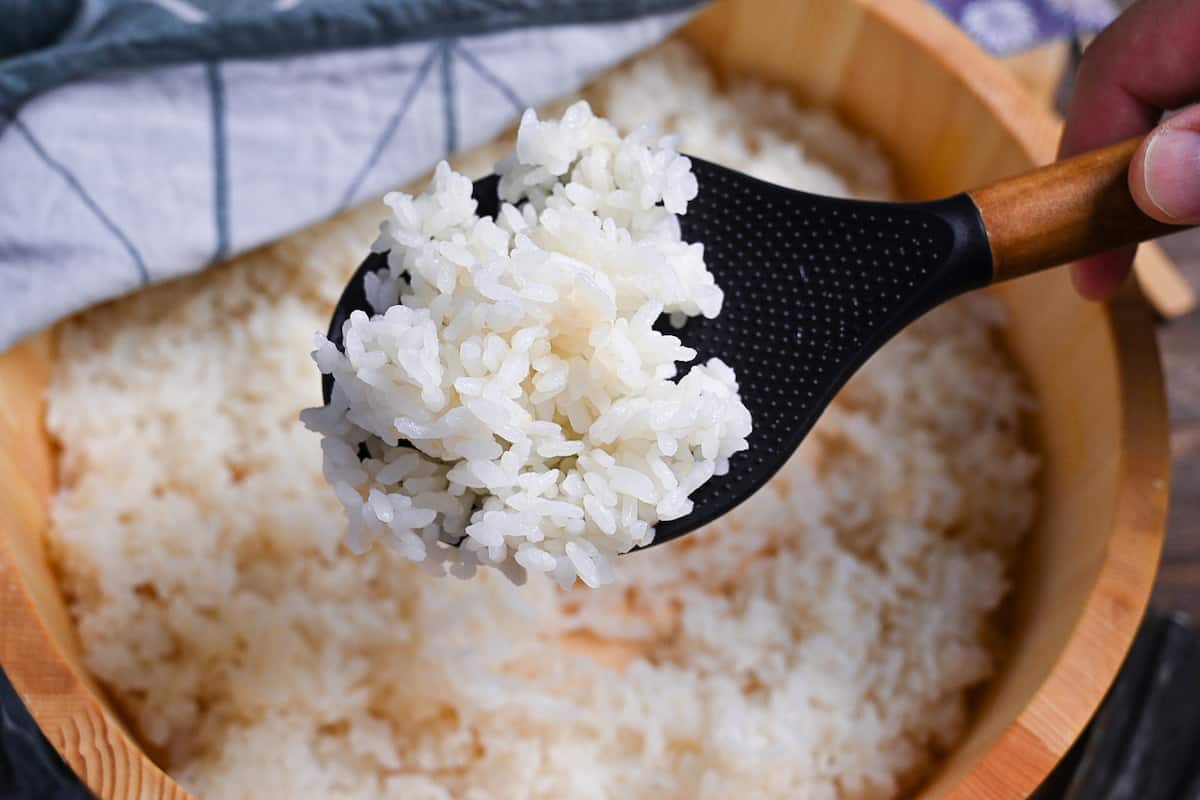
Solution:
(141, 140)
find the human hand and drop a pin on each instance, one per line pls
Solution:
(1145, 63)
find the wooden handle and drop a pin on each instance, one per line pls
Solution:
(1064, 211)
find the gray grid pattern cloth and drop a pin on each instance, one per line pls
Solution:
(141, 140)
(154, 138)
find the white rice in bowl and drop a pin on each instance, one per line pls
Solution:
(819, 642)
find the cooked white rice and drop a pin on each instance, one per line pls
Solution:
(518, 407)
(817, 643)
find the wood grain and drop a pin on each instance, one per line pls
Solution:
(1064, 211)
(950, 118)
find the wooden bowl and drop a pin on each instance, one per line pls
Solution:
(950, 118)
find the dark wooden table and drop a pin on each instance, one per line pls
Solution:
(1179, 578)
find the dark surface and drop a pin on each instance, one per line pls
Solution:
(30, 769)
(1144, 743)
(813, 287)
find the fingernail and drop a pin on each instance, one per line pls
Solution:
(1172, 170)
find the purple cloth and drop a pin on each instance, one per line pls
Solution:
(1008, 26)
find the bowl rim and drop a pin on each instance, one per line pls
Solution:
(96, 745)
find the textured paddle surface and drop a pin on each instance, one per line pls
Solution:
(813, 286)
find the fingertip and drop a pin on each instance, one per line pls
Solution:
(1137, 179)
(1164, 174)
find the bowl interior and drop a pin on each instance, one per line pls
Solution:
(950, 119)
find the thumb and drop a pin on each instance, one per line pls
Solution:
(1164, 177)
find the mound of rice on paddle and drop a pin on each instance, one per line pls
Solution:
(510, 390)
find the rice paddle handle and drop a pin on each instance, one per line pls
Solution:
(1064, 211)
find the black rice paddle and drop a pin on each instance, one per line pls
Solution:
(815, 285)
